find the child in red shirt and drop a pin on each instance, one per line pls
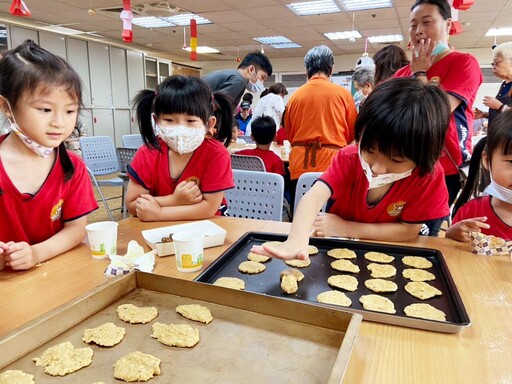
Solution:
(45, 191)
(263, 132)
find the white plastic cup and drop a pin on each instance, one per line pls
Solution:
(102, 238)
(189, 246)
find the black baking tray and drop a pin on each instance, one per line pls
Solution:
(316, 275)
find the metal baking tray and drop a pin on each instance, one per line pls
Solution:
(316, 275)
(252, 337)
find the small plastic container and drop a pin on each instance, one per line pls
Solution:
(189, 246)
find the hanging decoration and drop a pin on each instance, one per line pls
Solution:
(127, 17)
(463, 5)
(184, 38)
(19, 8)
(193, 39)
(238, 55)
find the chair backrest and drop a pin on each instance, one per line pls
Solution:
(304, 183)
(257, 195)
(248, 163)
(247, 139)
(125, 156)
(99, 154)
(132, 141)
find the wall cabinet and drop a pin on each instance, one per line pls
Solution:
(156, 71)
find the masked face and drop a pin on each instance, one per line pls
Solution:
(257, 86)
(440, 47)
(379, 180)
(182, 139)
(499, 192)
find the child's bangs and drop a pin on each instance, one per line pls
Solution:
(180, 102)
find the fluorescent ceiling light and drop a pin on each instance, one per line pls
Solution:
(151, 22)
(62, 30)
(314, 7)
(183, 19)
(357, 5)
(203, 49)
(499, 32)
(385, 39)
(343, 35)
(279, 42)
(180, 20)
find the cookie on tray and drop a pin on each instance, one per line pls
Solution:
(176, 335)
(257, 258)
(64, 358)
(334, 297)
(377, 303)
(132, 314)
(298, 263)
(136, 366)
(381, 285)
(381, 270)
(290, 279)
(343, 265)
(378, 257)
(341, 253)
(230, 282)
(424, 311)
(251, 267)
(346, 282)
(16, 377)
(416, 262)
(105, 335)
(415, 274)
(422, 290)
(195, 312)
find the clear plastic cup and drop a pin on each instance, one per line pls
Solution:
(189, 246)
(102, 238)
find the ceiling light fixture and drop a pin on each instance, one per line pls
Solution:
(314, 7)
(499, 32)
(358, 5)
(202, 49)
(385, 39)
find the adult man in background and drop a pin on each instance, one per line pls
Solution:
(320, 116)
(254, 69)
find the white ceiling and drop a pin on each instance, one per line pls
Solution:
(237, 22)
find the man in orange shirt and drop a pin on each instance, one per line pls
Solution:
(320, 116)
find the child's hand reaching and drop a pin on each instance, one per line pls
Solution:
(329, 224)
(187, 193)
(18, 256)
(284, 251)
(460, 231)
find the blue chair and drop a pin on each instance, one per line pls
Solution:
(132, 141)
(99, 155)
(257, 195)
(248, 163)
(304, 183)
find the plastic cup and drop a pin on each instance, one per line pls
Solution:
(189, 246)
(102, 238)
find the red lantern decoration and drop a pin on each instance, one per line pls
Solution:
(456, 28)
(127, 17)
(193, 39)
(18, 8)
(463, 5)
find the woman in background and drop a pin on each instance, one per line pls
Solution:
(387, 61)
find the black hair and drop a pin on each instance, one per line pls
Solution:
(263, 129)
(183, 94)
(443, 6)
(247, 97)
(29, 67)
(405, 118)
(278, 88)
(499, 138)
(387, 61)
(259, 60)
(264, 93)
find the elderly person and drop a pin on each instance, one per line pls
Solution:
(457, 73)
(319, 118)
(363, 83)
(502, 68)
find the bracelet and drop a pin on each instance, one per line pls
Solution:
(419, 73)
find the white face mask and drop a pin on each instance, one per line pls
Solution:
(31, 144)
(383, 179)
(182, 139)
(499, 192)
(255, 87)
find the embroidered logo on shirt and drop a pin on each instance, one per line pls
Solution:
(395, 209)
(57, 210)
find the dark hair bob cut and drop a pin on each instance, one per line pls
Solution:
(405, 118)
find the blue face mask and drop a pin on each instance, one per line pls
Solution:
(440, 47)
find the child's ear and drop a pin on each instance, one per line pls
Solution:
(212, 120)
(4, 107)
(485, 160)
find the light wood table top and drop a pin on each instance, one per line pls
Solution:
(279, 150)
(481, 353)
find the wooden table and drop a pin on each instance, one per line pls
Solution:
(481, 353)
(279, 150)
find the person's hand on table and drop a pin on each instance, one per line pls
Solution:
(492, 102)
(330, 225)
(19, 256)
(460, 231)
(287, 250)
(187, 193)
(147, 207)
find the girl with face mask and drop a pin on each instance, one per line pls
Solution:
(181, 172)
(45, 191)
(389, 183)
(490, 213)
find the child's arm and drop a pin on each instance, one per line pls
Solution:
(148, 209)
(460, 230)
(333, 225)
(24, 256)
(295, 247)
(186, 193)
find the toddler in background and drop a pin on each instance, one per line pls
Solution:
(390, 183)
(491, 213)
(263, 132)
(45, 191)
